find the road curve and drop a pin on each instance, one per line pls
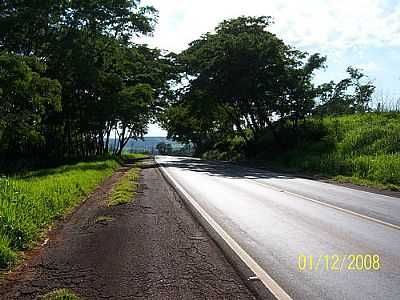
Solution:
(275, 218)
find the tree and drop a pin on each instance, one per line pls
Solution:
(134, 113)
(25, 96)
(348, 96)
(250, 74)
(132, 89)
(197, 119)
(108, 82)
(31, 26)
(164, 148)
(362, 91)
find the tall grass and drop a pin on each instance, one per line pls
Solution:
(364, 148)
(29, 203)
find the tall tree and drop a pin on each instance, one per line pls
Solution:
(88, 47)
(251, 74)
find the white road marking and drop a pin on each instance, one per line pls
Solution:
(259, 272)
(372, 219)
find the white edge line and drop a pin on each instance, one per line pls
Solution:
(329, 205)
(267, 280)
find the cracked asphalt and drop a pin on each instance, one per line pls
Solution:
(152, 249)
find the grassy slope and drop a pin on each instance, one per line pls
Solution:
(30, 203)
(362, 149)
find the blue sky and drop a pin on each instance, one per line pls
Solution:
(361, 33)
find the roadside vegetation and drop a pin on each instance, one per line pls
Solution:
(363, 149)
(30, 202)
(74, 81)
(75, 86)
(103, 219)
(250, 97)
(61, 294)
(124, 191)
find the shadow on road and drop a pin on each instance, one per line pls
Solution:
(223, 169)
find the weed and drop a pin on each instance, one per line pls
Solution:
(103, 219)
(124, 191)
(61, 294)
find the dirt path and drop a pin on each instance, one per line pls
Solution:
(153, 249)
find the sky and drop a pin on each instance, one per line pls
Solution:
(360, 33)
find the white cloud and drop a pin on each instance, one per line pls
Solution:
(345, 30)
(369, 67)
(155, 130)
(321, 24)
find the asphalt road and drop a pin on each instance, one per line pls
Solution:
(277, 218)
(152, 248)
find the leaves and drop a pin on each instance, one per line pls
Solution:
(249, 74)
(350, 95)
(26, 97)
(106, 82)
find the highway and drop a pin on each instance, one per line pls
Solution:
(277, 218)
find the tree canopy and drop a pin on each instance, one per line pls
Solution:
(242, 77)
(98, 79)
(74, 82)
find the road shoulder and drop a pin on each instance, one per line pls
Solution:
(149, 248)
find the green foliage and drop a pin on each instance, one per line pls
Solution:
(124, 191)
(240, 77)
(350, 95)
(25, 96)
(108, 83)
(29, 26)
(30, 203)
(365, 148)
(8, 257)
(134, 104)
(231, 149)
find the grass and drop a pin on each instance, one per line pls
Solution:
(124, 191)
(365, 182)
(61, 294)
(103, 219)
(30, 203)
(362, 149)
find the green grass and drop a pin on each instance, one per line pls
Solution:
(60, 294)
(103, 219)
(365, 182)
(30, 203)
(363, 149)
(124, 191)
